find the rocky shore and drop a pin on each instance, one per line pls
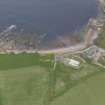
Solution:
(10, 42)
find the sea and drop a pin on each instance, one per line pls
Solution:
(50, 17)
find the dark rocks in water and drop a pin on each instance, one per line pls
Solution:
(44, 24)
(60, 41)
(25, 41)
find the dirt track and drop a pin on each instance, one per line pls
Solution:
(70, 49)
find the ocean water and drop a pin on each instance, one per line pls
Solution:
(51, 17)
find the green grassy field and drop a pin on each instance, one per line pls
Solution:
(24, 79)
(30, 79)
(102, 60)
(11, 61)
(25, 86)
(90, 92)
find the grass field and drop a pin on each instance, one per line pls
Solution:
(30, 79)
(90, 92)
(102, 60)
(11, 61)
(25, 86)
(23, 79)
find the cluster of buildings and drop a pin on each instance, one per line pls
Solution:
(93, 53)
(68, 61)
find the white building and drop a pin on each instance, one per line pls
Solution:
(74, 63)
(71, 62)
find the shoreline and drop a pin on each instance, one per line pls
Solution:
(95, 26)
(70, 49)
